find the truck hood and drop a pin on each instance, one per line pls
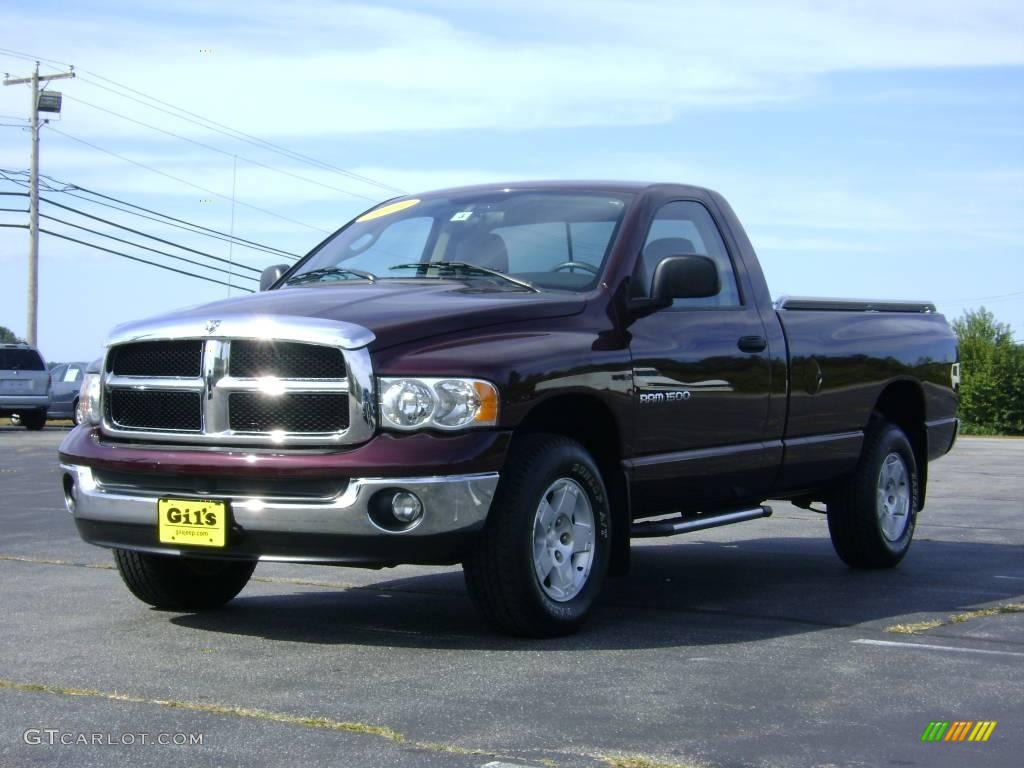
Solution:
(395, 312)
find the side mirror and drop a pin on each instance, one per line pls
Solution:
(678, 277)
(685, 277)
(271, 275)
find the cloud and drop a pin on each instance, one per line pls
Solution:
(314, 68)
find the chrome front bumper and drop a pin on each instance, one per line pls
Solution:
(452, 506)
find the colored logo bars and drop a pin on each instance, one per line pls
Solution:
(958, 730)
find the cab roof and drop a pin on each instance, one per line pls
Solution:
(629, 187)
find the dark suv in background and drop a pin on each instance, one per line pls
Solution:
(24, 385)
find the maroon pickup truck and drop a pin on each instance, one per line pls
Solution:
(519, 378)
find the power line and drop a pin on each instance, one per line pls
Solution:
(188, 227)
(984, 298)
(143, 234)
(222, 151)
(171, 221)
(213, 125)
(145, 247)
(199, 228)
(139, 245)
(187, 183)
(29, 57)
(142, 261)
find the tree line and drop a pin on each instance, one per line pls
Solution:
(991, 375)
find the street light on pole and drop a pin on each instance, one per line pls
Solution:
(49, 102)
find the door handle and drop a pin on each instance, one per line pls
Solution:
(752, 343)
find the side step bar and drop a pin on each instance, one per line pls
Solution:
(676, 525)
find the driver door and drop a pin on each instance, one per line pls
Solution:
(700, 398)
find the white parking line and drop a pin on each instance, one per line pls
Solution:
(925, 646)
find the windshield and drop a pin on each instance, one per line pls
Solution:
(517, 241)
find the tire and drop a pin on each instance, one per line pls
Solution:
(74, 413)
(15, 419)
(179, 583)
(871, 519)
(537, 569)
(34, 420)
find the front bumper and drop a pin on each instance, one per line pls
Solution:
(336, 529)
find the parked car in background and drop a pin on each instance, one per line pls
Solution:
(24, 385)
(67, 380)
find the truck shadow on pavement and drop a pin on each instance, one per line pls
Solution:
(686, 594)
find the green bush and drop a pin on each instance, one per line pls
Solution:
(7, 336)
(991, 375)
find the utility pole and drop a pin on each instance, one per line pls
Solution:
(33, 197)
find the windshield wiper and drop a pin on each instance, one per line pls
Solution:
(462, 266)
(314, 275)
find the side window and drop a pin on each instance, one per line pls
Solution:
(71, 375)
(682, 228)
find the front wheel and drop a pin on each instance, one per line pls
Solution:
(543, 554)
(181, 583)
(871, 519)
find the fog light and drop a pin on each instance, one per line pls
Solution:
(69, 492)
(406, 507)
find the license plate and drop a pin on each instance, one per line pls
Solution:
(194, 522)
(17, 385)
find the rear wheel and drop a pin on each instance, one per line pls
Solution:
(543, 555)
(872, 518)
(34, 420)
(182, 583)
(74, 413)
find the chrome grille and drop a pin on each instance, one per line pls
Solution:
(239, 391)
(148, 409)
(295, 412)
(286, 360)
(157, 358)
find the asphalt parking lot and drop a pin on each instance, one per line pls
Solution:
(750, 645)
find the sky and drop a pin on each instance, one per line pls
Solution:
(871, 149)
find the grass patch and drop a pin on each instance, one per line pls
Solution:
(212, 709)
(995, 610)
(641, 761)
(957, 618)
(305, 721)
(914, 628)
(48, 561)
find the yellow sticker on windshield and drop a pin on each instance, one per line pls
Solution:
(387, 210)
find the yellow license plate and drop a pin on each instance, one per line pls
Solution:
(195, 522)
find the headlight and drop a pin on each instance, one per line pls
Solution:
(447, 404)
(89, 400)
